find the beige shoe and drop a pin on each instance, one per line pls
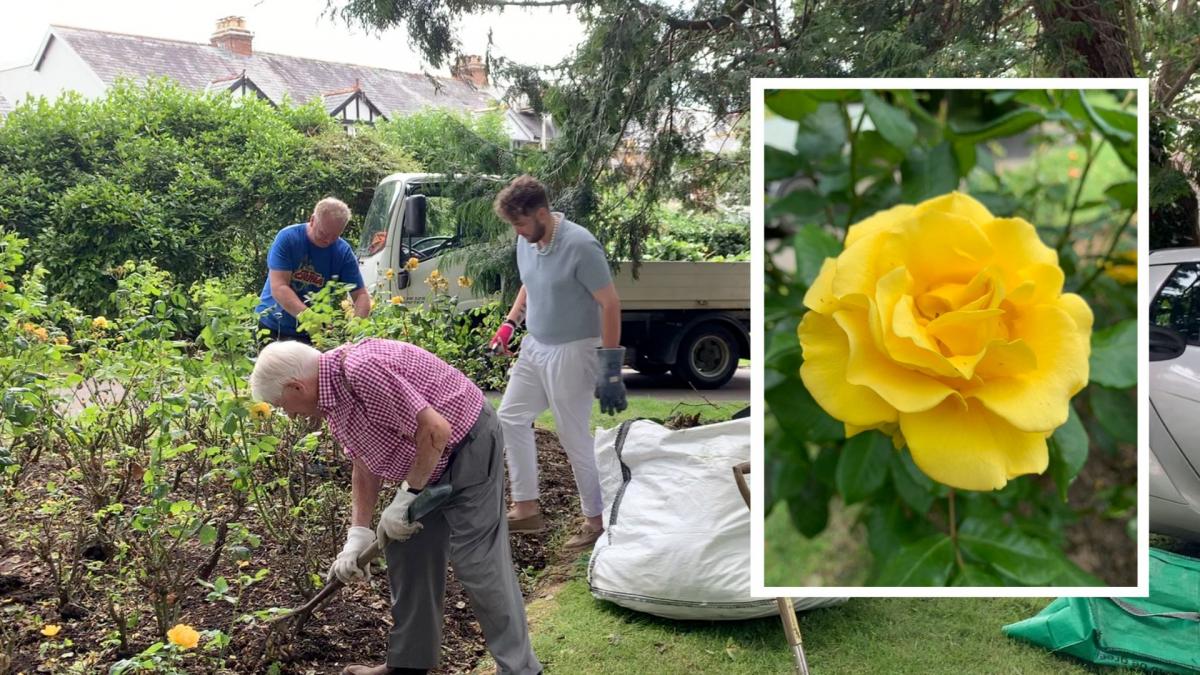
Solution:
(585, 538)
(527, 525)
(356, 669)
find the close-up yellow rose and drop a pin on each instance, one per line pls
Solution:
(184, 636)
(260, 410)
(947, 328)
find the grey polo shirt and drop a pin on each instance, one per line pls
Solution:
(559, 285)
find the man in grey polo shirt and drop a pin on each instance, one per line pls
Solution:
(571, 353)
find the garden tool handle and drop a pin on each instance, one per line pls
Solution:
(739, 477)
(333, 586)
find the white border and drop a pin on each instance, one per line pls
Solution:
(757, 88)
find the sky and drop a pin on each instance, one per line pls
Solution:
(293, 27)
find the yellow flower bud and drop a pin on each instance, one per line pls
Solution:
(390, 274)
(184, 635)
(397, 299)
(260, 410)
(51, 629)
(100, 323)
(412, 264)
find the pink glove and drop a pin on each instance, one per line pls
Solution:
(503, 336)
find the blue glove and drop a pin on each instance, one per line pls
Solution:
(610, 388)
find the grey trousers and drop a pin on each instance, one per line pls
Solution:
(471, 532)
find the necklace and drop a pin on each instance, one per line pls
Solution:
(545, 250)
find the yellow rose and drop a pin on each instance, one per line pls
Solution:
(397, 299)
(100, 322)
(947, 328)
(1126, 272)
(41, 334)
(62, 340)
(464, 282)
(184, 636)
(412, 264)
(390, 274)
(260, 410)
(50, 629)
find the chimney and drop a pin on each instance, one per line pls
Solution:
(232, 35)
(470, 68)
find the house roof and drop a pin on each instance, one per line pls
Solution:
(198, 66)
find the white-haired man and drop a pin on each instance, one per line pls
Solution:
(402, 414)
(301, 260)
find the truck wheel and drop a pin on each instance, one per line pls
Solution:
(707, 357)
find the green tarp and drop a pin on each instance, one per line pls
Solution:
(1159, 632)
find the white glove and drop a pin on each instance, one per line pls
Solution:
(393, 523)
(345, 565)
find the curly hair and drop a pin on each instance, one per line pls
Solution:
(522, 197)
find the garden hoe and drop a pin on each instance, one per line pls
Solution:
(425, 503)
(787, 613)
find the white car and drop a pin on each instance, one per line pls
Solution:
(1175, 392)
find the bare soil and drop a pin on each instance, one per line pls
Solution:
(351, 628)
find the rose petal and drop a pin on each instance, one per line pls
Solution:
(882, 221)
(967, 447)
(1037, 400)
(826, 353)
(957, 204)
(905, 389)
(819, 297)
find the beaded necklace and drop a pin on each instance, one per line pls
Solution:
(545, 250)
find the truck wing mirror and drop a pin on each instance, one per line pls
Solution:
(414, 215)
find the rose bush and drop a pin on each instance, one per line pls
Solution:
(947, 328)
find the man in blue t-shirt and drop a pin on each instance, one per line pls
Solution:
(302, 258)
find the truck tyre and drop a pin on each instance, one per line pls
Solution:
(707, 357)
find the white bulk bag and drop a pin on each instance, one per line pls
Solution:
(677, 532)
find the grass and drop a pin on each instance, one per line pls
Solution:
(646, 407)
(573, 632)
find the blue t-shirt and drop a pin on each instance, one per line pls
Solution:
(310, 266)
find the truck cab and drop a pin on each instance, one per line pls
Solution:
(689, 318)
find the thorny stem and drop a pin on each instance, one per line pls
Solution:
(1112, 246)
(954, 534)
(1087, 166)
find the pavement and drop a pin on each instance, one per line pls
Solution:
(668, 388)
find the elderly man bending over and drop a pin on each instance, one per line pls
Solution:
(402, 414)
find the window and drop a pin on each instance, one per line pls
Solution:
(1177, 305)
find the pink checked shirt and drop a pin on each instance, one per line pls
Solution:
(394, 381)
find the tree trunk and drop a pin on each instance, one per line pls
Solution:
(1087, 37)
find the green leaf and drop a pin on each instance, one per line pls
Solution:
(863, 466)
(1124, 194)
(889, 527)
(813, 245)
(799, 203)
(913, 486)
(890, 122)
(821, 134)
(1011, 552)
(809, 508)
(793, 104)
(964, 154)
(927, 562)
(799, 415)
(208, 534)
(1116, 411)
(926, 174)
(1113, 362)
(1068, 573)
(975, 575)
(1009, 124)
(779, 164)
(1068, 452)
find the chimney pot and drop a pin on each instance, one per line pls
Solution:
(232, 35)
(470, 68)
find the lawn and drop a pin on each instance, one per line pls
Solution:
(575, 633)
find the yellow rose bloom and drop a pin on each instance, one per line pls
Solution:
(184, 635)
(260, 410)
(464, 282)
(50, 629)
(412, 264)
(100, 322)
(41, 334)
(397, 299)
(390, 274)
(947, 328)
(62, 340)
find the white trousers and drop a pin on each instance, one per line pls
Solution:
(563, 379)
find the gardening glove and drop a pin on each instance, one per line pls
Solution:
(610, 388)
(345, 566)
(503, 336)
(393, 523)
